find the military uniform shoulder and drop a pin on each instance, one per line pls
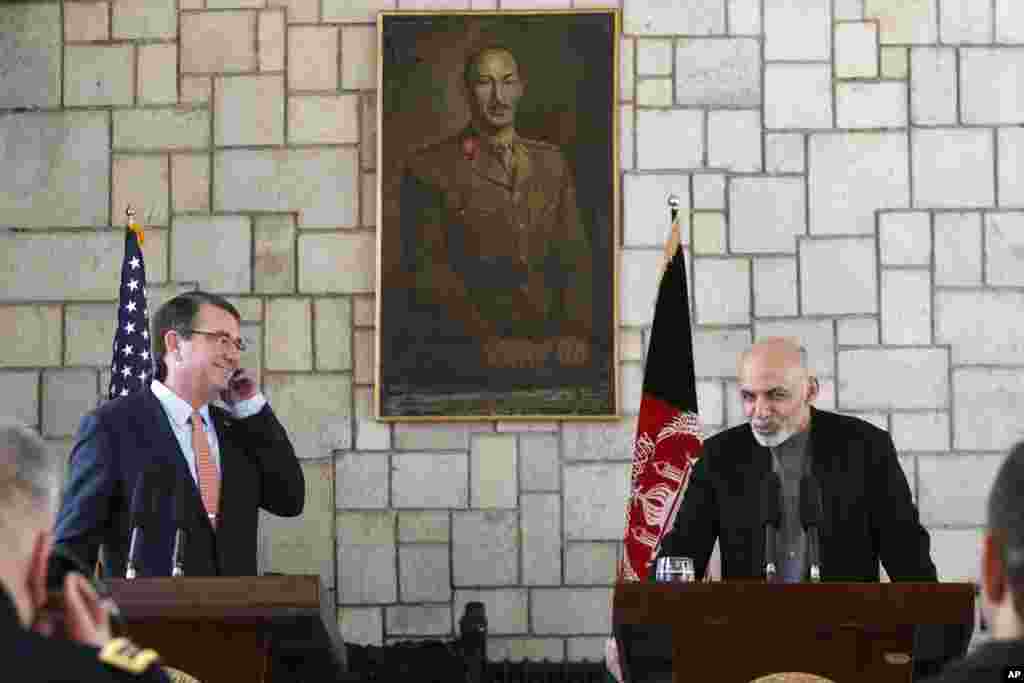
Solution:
(540, 144)
(42, 658)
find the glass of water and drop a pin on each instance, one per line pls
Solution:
(674, 570)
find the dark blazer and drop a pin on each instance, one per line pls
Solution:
(124, 437)
(868, 511)
(988, 662)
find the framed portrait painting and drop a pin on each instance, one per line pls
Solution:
(498, 196)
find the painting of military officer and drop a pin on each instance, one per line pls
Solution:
(496, 311)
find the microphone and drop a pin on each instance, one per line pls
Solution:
(810, 519)
(771, 517)
(180, 530)
(143, 512)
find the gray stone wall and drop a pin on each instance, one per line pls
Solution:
(849, 170)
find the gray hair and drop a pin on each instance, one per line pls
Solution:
(28, 472)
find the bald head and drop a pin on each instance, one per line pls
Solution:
(777, 389)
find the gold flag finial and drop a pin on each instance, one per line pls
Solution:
(674, 238)
(133, 226)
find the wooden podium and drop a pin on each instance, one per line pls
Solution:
(235, 629)
(737, 631)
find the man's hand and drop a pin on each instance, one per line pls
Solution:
(86, 619)
(242, 386)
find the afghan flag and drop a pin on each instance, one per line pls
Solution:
(669, 431)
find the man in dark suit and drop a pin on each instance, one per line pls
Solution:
(1002, 582)
(226, 463)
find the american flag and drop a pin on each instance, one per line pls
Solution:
(132, 366)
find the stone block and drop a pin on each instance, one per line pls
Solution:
(271, 40)
(323, 119)
(914, 379)
(368, 211)
(539, 466)
(798, 30)
(990, 92)
(953, 168)
(920, 431)
(627, 68)
(1004, 249)
(852, 175)
(710, 402)
(599, 441)
(953, 488)
(364, 11)
(767, 214)
(364, 311)
(424, 573)
(313, 58)
(933, 85)
(142, 181)
(857, 331)
(638, 278)
(424, 527)
(798, 96)
(249, 110)
(196, 89)
(654, 57)
(564, 611)
(709, 191)
(505, 608)
(733, 407)
(161, 129)
(644, 214)
(981, 327)
(299, 11)
(627, 136)
(30, 39)
(84, 21)
(57, 169)
(68, 394)
(815, 336)
(871, 105)
(413, 436)
(19, 397)
(913, 21)
(223, 264)
(249, 307)
(744, 19)
(336, 262)
(715, 352)
(145, 19)
(333, 333)
(704, 17)
(363, 351)
(485, 547)
(957, 249)
(303, 544)
(895, 62)
(88, 331)
(361, 625)
(358, 57)
(410, 620)
(722, 291)
(370, 434)
(631, 344)
(709, 233)
(905, 238)
(775, 287)
(986, 408)
(654, 92)
(158, 74)
(429, 480)
(784, 153)
(631, 379)
(48, 266)
(963, 21)
(591, 564)
(366, 557)
(669, 138)
(274, 254)
(493, 469)
(856, 50)
(734, 140)
(838, 276)
(1009, 22)
(718, 72)
(289, 334)
(595, 496)
(956, 552)
(98, 75)
(204, 49)
(316, 410)
(906, 307)
(518, 649)
(540, 520)
(584, 648)
(321, 184)
(1010, 148)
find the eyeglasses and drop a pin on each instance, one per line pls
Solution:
(224, 339)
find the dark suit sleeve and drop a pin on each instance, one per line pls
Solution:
(696, 526)
(282, 484)
(904, 545)
(85, 508)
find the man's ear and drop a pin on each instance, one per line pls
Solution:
(993, 573)
(812, 388)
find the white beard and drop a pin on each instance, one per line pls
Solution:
(772, 440)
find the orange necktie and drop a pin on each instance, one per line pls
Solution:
(209, 479)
